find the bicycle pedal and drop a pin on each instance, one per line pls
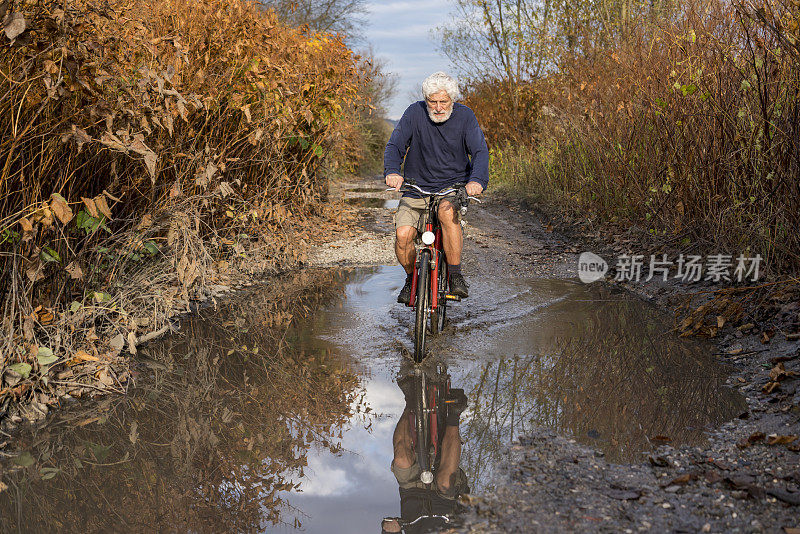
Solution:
(453, 297)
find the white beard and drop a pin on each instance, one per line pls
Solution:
(440, 119)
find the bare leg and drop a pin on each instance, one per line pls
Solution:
(451, 456)
(404, 247)
(403, 447)
(451, 231)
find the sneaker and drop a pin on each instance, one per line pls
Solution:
(458, 286)
(405, 294)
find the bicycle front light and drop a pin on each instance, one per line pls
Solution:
(428, 238)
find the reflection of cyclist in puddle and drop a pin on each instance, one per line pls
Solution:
(427, 508)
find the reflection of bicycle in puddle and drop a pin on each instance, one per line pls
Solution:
(427, 451)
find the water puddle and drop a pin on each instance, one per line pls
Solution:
(373, 202)
(251, 421)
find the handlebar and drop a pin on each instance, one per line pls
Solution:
(442, 193)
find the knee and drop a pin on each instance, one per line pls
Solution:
(447, 214)
(403, 460)
(405, 235)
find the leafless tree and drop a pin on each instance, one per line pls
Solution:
(346, 17)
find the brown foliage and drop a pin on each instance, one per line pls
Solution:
(686, 122)
(176, 135)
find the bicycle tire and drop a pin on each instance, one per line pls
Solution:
(423, 430)
(439, 316)
(422, 303)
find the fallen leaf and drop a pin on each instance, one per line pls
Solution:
(132, 342)
(45, 316)
(735, 349)
(683, 479)
(82, 356)
(24, 459)
(80, 136)
(117, 342)
(769, 387)
(16, 25)
(720, 321)
(26, 224)
(146, 222)
(22, 369)
(74, 270)
(775, 439)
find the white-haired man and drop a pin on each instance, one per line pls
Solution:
(438, 143)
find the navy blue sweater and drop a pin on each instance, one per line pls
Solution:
(438, 154)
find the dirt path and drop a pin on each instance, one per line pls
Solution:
(745, 479)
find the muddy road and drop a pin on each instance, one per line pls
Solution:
(274, 410)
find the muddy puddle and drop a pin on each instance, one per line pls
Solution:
(275, 412)
(373, 202)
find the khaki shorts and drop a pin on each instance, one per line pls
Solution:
(408, 478)
(411, 210)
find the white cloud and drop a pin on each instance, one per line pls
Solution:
(408, 7)
(413, 32)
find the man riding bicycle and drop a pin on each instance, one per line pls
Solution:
(439, 143)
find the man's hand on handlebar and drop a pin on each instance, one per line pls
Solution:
(473, 188)
(394, 180)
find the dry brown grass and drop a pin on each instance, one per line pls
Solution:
(148, 150)
(688, 125)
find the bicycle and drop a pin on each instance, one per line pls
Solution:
(427, 414)
(429, 280)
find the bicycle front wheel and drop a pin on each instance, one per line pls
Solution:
(422, 304)
(439, 315)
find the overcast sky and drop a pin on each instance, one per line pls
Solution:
(400, 32)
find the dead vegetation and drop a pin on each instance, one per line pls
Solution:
(151, 156)
(679, 118)
(216, 437)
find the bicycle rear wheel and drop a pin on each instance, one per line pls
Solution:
(439, 315)
(422, 303)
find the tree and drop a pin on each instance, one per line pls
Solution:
(334, 16)
(507, 40)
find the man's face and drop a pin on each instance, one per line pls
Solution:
(440, 106)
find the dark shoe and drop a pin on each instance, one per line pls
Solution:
(456, 403)
(458, 286)
(405, 294)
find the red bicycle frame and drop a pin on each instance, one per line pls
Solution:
(437, 256)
